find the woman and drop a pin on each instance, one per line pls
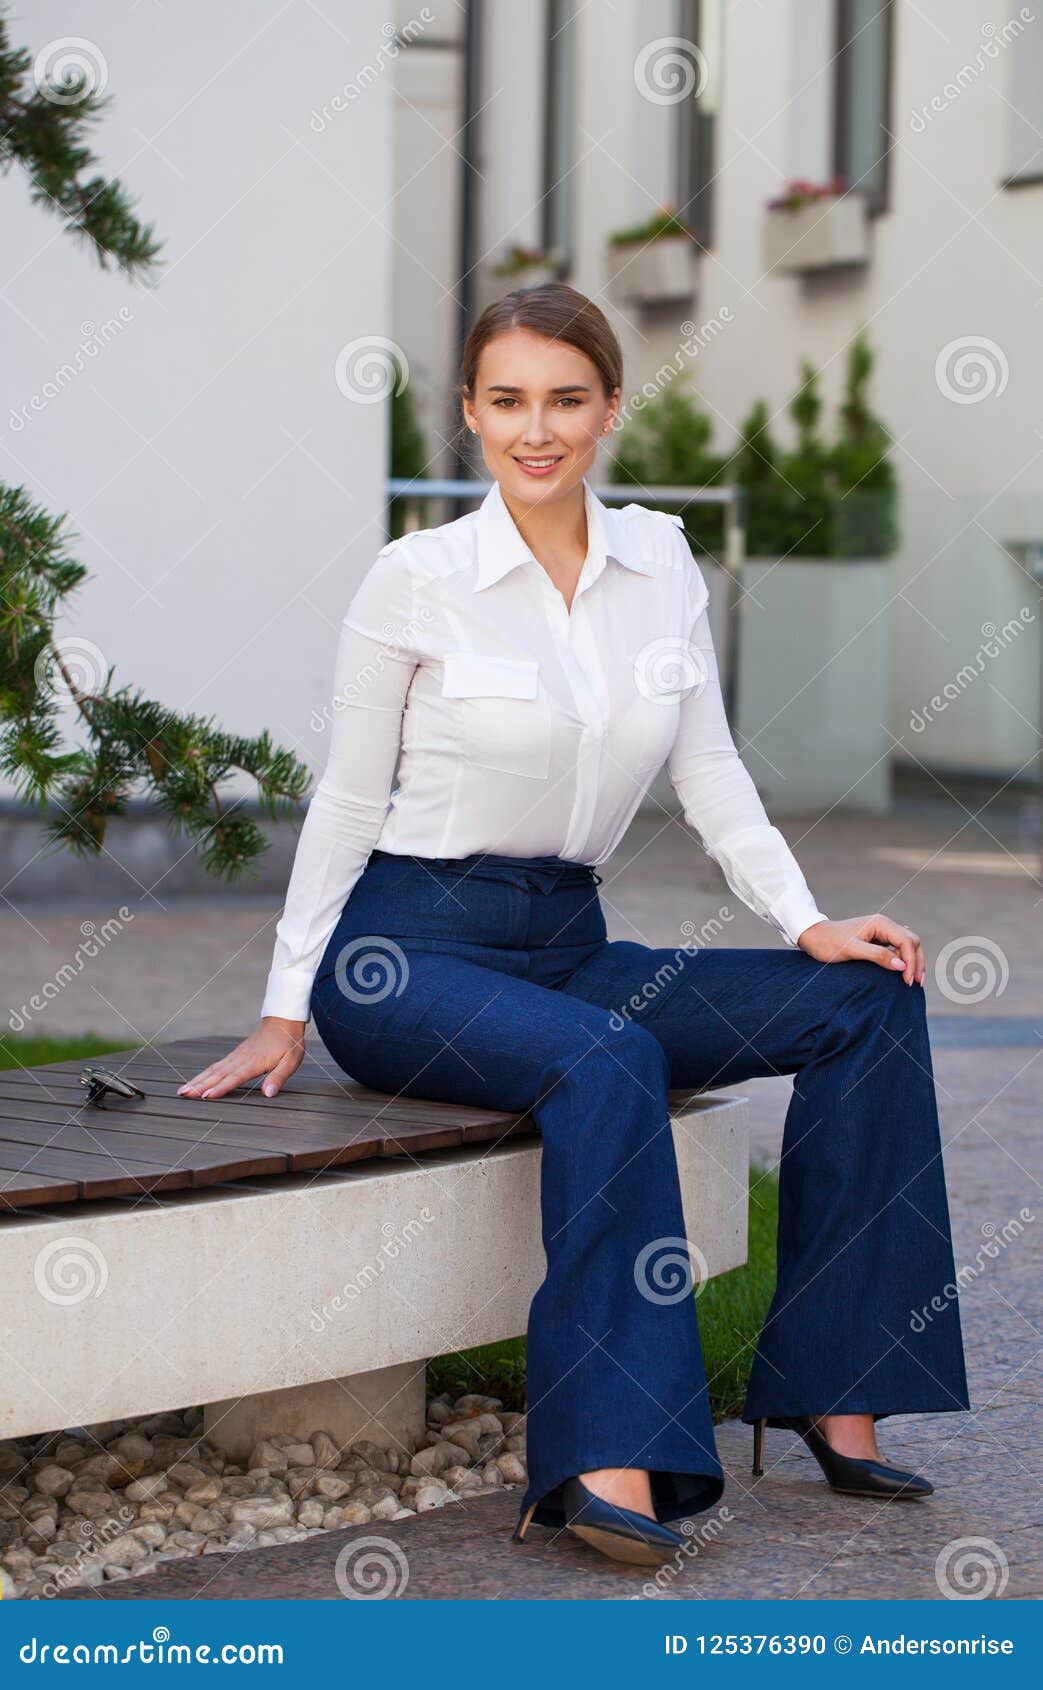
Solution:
(534, 663)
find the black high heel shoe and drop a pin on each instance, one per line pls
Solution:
(618, 1532)
(845, 1473)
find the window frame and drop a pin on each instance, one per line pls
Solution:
(696, 157)
(559, 95)
(878, 199)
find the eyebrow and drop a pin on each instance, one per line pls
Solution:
(502, 387)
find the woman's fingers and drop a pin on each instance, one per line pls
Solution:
(265, 1052)
(281, 1073)
(203, 1083)
(905, 952)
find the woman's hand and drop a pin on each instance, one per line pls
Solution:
(276, 1049)
(844, 941)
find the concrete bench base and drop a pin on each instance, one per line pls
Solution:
(315, 1298)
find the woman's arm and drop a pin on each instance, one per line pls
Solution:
(345, 815)
(722, 805)
(374, 665)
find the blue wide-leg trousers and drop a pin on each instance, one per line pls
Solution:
(490, 980)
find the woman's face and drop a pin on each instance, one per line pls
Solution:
(540, 409)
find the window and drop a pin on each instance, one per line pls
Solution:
(558, 128)
(701, 24)
(1024, 40)
(862, 97)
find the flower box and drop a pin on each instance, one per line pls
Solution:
(661, 271)
(823, 233)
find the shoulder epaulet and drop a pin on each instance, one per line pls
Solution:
(404, 539)
(632, 510)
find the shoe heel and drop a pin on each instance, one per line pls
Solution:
(523, 1524)
(758, 1448)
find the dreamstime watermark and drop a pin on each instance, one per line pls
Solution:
(697, 336)
(995, 641)
(996, 1241)
(68, 68)
(668, 972)
(395, 1240)
(670, 668)
(970, 369)
(370, 968)
(971, 968)
(69, 1270)
(370, 1569)
(96, 1535)
(971, 1569)
(670, 1269)
(395, 38)
(697, 1538)
(370, 368)
(93, 342)
(395, 636)
(992, 44)
(95, 939)
(71, 665)
(671, 69)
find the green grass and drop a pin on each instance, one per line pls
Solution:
(29, 1050)
(731, 1311)
(731, 1307)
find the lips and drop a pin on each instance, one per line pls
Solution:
(535, 467)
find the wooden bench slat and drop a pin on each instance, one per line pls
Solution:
(55, 1147)
(104, 1176)
(18, 1191)
(319, 1098)
(241, 1123)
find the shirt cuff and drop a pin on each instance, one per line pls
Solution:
(288, 994)
(795, 912)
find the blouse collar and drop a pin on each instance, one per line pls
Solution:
(500, 546)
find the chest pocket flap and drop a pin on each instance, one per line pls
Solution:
(469, 674)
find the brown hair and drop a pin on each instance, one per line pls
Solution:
(553, 309)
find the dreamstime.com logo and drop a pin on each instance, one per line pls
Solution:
(995, 640)
(95, 938)
(395, 1240)
(996, 1241)
(156, 1650)
(698, 1536)
(668, 972)
(396, 36)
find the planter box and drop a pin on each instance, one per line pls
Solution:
(813, 697)
(657, 272)
(825, 234)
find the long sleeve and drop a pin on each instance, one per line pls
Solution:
(719, 799)
(372, 672)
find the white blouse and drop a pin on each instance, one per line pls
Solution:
(520, 727)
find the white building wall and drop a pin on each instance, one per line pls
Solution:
(224, 491)
(955, 257)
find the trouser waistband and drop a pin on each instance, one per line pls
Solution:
(539, 868)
